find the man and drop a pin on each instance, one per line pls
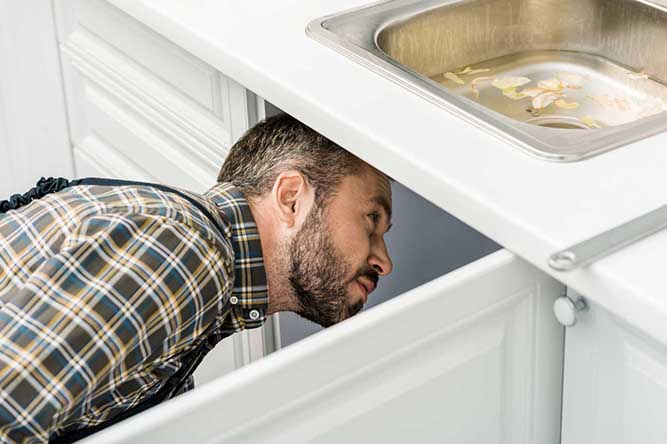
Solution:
(110, 295)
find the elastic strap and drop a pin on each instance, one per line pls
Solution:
(43, 187)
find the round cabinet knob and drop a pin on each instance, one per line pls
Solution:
(566, 310)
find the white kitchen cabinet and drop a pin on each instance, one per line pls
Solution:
(615, 383)
(471, 357)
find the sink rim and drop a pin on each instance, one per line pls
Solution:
(360, 43)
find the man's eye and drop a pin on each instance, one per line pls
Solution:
(375, 217)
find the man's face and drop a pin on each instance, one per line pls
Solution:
(337, 257)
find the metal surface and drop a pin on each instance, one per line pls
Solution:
(610, 44)
(599, 246)
(566, 308)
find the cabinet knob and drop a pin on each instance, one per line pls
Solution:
(566, 310)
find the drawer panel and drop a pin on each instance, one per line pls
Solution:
(178, 68)
(474, 356)
(113, 99)
(136, 138)
(615, 382)
(154, 103)
(95, 62)
(94, 158)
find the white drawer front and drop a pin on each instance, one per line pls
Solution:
(615, 386)
(178, 68)
(93, 158)
(472, 357)
(142, 96)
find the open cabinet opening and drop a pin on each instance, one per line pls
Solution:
(458, 344)
(424, 243)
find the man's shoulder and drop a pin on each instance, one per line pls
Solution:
(140, 201)
(174, 204)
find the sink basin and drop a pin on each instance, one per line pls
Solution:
(561, 79)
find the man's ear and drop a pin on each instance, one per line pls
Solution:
(292, 197)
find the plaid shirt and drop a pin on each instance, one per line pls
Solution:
(103, 290)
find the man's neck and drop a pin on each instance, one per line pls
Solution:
(276, 269)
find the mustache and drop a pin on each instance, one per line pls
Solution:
(368, 273)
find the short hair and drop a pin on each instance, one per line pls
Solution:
(281, 143)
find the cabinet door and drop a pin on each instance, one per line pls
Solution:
(615, 385)
(140, 106)
(472, 357)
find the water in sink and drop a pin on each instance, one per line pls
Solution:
(559, 89)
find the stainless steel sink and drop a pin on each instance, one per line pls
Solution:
(561, 79)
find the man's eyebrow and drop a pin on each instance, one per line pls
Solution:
(384, 203)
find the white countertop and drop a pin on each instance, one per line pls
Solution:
(531, 207)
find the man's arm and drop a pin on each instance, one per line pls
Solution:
(123, 291)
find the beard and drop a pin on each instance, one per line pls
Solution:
(319, 275)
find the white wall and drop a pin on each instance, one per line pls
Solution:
(32, 109)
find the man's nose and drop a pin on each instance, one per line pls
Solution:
(380, 261)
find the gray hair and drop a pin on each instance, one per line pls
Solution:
(281, 143)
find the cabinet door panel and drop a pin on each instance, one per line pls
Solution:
(176, 67)
(94, 158)
(124, 95)
(615, 386)
(472, 357)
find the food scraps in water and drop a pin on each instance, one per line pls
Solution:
(545, 99)
(571, 80)
(560, 103)
(513, 94)
(475, 83)
(551, 84)
(607, 101)
(504, 83)
(532, 92)
(470, 71)
(454, 78)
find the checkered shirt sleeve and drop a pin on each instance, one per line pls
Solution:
(104, 321)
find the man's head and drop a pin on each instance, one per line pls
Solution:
(322, 214)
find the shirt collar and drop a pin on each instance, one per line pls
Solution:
(250, 291)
